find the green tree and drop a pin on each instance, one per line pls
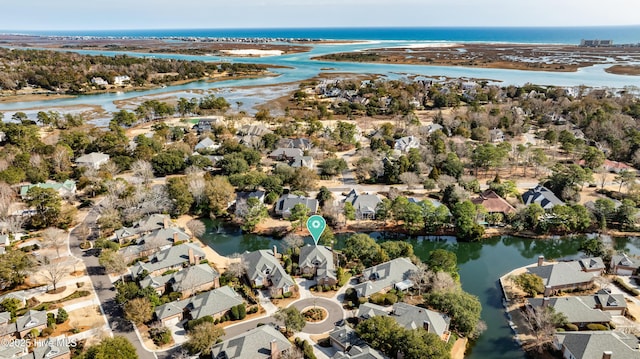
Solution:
(219, 193)
(299, 215)
(463, 309)
(292, 318)
(117, 347)
(124, 118)
(360, 247)
(182, 199)
(344, 134)
(14, 267)
(397, 249)
(349, 211)
(166, 163)
(332, 166)
(442, 260)
(531, 283)
(593, 158)
(254, 213)
(324, 196)
(46, 202)
(626, 214)
(465, 218)
(625, 177)
(605, 210)
(304, 179)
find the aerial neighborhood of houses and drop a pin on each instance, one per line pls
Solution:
(192, 228)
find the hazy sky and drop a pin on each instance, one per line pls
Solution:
(163, 14)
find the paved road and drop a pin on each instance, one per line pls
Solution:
(105, 291)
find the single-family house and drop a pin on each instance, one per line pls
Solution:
(92, 160)
(562, 276)
(542, 196)
(597, 345)
(318, 261)
(155, 241)
(14, 351)
(623, 264)
(7, 327)
(243, 197)
(52, 349)
(286, 203)
(146, 225)
(385, 276)
(368, 310)
(207, 144)
(3, 137)
(65, 189)
(176, 257)
(575, 310)
(264, 270)
(188, 281)
(302, 161)
(31, 320)
(349, 346)
(592, 264)
(263, 342)
(20, 295)
(121, 80)
(412, 317)
(206, 124)
(99, 81)
(286, 154)
(364, 204)
(616, 167)
(494, 203)
(434, 127)
(301, 143)
(214, 303)
(404, 144)
(4, 240)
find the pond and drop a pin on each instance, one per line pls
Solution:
(481, 264)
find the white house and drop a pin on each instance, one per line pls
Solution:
(93, 160)
(120, 80)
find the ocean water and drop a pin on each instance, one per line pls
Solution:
(551, 35)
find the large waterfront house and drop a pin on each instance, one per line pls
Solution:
(318, 262)
(153, 242)
(263, 342)
(286, 203)
(623, 264)
(214, 303)
(65, 189)
(141, 227)
(92, 160)
(265, 271)
(364, 204)
(404, 144)
(577, 311)
(494, 203)
(563, 276)
(176, 257)
(187, 281)
(597, 345)
(385, 276)
(542, 196)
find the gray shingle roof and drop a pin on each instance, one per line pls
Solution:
(262, 263)
(412, 317)
(50, 350)
(186, 278)
(624, 260)
(318, 256)
(368, 310)
(591, 345)
(574, 308)
(91, 158)
(168, 258)
(561, 274)
(591, 264)
(31, 319)
(208, 303)
(288, 153)
(384, 275)
(255, 343)
(286, 203)
(363, 203)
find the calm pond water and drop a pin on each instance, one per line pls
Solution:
(481, 264)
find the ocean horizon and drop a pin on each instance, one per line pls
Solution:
(629, 34)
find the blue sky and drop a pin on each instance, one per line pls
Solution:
(163, 14)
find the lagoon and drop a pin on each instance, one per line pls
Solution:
(481, 264)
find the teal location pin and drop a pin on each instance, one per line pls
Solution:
(316, 225)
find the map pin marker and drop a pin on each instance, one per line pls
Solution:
(316, 225)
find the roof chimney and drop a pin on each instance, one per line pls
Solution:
(607, 355)
(540, 261)
(166, 222)
(273, 349)
(547, 291)
(275, 251)
(175, 237)
(192, 257)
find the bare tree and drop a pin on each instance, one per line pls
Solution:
(197, 187)
(15, 224)
(196, 227)
(542, 323)
(113, 262)
(421, 278)
(110, 168)
(292, 241)
(83, 232)
(53, 270)
(410, 179)
(54, 238)
(142, 170)
(7, 196)
(442, 281)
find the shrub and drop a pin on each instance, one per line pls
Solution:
(173, 296)
(620, 283)
(193, 323)
(47, 331)
(377, 298)
(594, 326)
(62, 316)
(242, 311)
(390, 299)
(51, 320)
(234, 313)
(571, 327)
(287, 295)
(160, 335)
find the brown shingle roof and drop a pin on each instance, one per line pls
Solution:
(493, 203)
